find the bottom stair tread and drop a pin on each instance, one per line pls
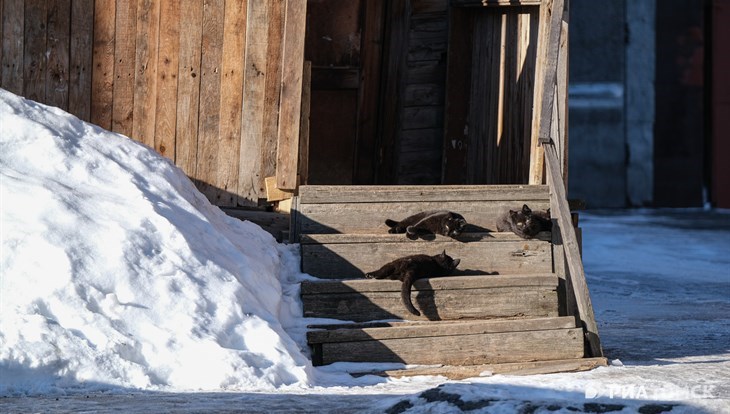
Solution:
(451, 343)
(511, 368)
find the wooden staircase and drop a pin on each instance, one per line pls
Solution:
(507, 308)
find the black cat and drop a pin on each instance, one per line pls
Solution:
(443, 222)
(525, 223)
(411, 268)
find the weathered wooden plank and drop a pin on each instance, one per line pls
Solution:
(12, 45)
(34, 50)
(82, 29)
(483, 3)
(209, 109)
(420, 117)
(512, 368)
(429, 6)
(435, 305)
(124, 66)
(424, 95)
(167, 74)
(462, 349)
(336, 261)
(145, 82)
(57, 43)
(188, 86)
(338, 218)
(231, 104)
(102, 75)
(404, 193)
(303, 169)
(291, 94)
(254, 99)
(408, 329)
(434, 283)
(272, 91)
(466, 237)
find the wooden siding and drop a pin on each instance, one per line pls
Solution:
(199, 81)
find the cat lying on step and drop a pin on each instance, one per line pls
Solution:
(443, 222)
(411, 268)
(525, 223)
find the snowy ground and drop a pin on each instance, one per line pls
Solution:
(122, 290)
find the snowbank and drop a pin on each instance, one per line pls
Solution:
(116, 271)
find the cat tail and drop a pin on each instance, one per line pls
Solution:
(393, 225)
(405, 294)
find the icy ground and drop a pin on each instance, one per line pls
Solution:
(123, 290)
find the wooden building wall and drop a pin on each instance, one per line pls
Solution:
(199, 81)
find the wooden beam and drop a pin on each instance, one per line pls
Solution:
(492, 3)
(304, 124)
(295, 18)
(275, 194)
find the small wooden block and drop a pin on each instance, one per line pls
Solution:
(275, 194)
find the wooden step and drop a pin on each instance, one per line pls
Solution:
(441, 298)
(341, 256)
(451, 343)
(363, 209)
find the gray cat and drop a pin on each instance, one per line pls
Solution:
(443, 222)
(411, 268)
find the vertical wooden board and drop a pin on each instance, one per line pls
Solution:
(304, 124)
(167, 67)
(537, 164)
(34, 51)
(12, 45)
(527, 53)
(124, 57)
(145, 82)
(188, 86)
(2, 6)
(254, 94)
(227, 167)
(59, 24)
(369, 92)
(562, 94)
(209, 114)
(291, 94)
(272, 91)
(82, 27)
(102, 75)
(457, 88)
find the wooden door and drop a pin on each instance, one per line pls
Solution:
(343, 42)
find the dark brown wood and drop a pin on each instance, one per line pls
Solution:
(720, 194)
(482, 3)
(34, 50)
(188, 86)
(304, 124)
(514, 368)
(102, 75)
(82, 29)
(58, 42)
(12, 45)
(145, 81)
(291, 94)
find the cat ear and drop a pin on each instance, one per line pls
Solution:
(443, 254)
(526, 209)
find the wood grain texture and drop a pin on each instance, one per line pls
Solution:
(272, 90)
(512, 368)
(254, 95)
(303, 169)
(417, 329)
(209, 110)
(188, 86)
(145, 82)
(57, 43)
(435, 305)
(125, 39)
(338, 261)
(231, 104)
(12, 45)
(338, 218)
(82, 29)
(34, 50)
(466, 237)
(167, 79)
(291, 94)
(415, 193)
(434, 283)
(462, 349)
(102, 75)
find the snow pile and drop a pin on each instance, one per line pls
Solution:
(116, 271)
